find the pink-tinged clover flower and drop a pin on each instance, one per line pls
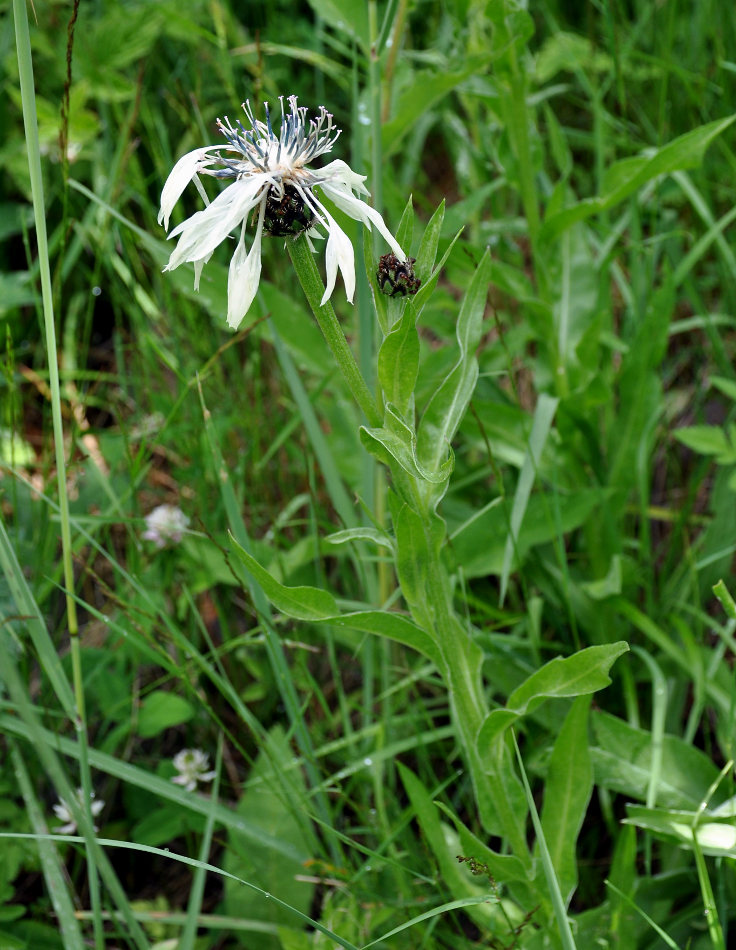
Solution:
(271, 176)
(165, 525)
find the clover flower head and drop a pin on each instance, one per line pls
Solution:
(166, 524)
(193, 767)
(270, 175)
(63, 812)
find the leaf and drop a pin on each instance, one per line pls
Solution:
(707, 440)
(418, 302)
(622, 761)
(543, 416)
(584, 672)
(567, 791)
(479, 544)
(363, 533)
(346, 16)
(503, 867)
(454, 875)
(447, 407)
(427, 253)
(391, 625)
(275, 800)
(301, 603)
(396, 442)
(161, 710)
(398, 362)
(716, 838)
(427, 88)
(627, 176)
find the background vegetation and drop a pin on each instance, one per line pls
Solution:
(592, 499)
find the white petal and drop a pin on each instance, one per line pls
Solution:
(244, 275)
(339, 171)
(339, 253)
(179, 177)
(360, 211)
(201, 233)
(198, 267)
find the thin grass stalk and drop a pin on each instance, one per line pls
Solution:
(28, 97)
(558, 903)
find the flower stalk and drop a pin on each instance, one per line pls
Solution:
(309, 278)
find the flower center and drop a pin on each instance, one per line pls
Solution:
(287, 216)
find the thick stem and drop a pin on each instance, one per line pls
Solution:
(306, 270)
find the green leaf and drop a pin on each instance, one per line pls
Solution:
(454, 875)
(543, 416)
(479, 544)
(391, 625)
(427, 253)
(447, 407)
(301, 603)
(503, 867)
(625, 177)
(412, 558)
(396, 442)
(584, 672)
(405, 230)
(417, 302)
(716, 837)
(346, 16)
(427, 87)
(275, 800)
(707, 440)
(161, 710)
(724, 385)
(363, 533)
(567, 792)
(398, 362)
(622, 761)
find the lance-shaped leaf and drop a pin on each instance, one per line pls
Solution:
(584, 672)
(396, 442)
(302, 603)
(567, 792)
(398, 362)
(447, 407)
(625, 177)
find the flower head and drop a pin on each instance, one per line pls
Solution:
(165, 525)
(271, 175)
(192, 766)
(63, 812)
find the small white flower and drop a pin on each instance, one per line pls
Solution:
(192, 766)
(64, 814)
(165, 524)
(270, 176)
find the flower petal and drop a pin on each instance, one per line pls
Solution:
(201, 233)
(180, 176)
(244, 275)
(360, 211)
(338, 253)
(198, 267)
(340, 171)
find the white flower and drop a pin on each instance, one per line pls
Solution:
(165, 524)
(64, 814)
(270, 176)
(192, 765)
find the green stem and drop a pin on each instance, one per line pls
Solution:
(306, 270)
(28, 97)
